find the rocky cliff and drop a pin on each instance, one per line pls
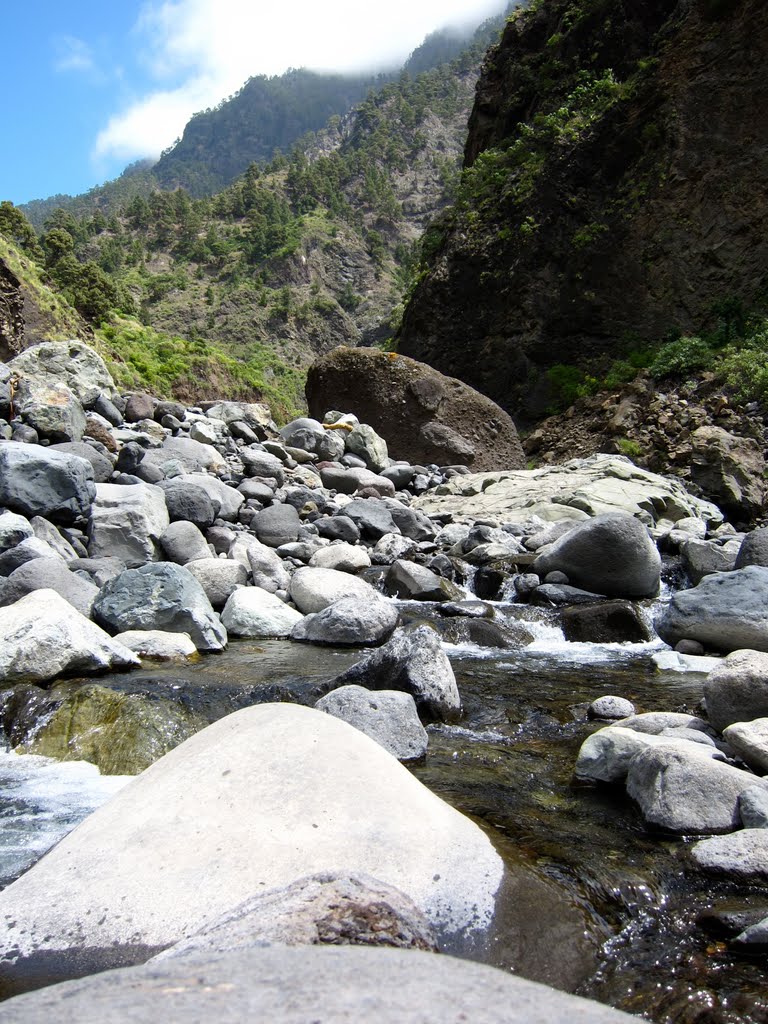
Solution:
(614, 189)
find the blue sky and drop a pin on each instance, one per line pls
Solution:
(91, 86)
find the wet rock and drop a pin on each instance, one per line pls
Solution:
(127, 523)
(35, 481)
(314, 589)
(160, 596)
(414, 662)
(252, 612)
(681, 789)
(122, 734)
(44, 636)
(605, 623)
(509, 636)
(736, 690)
(388, 716)
(611, 554)
(188, 841)
(351, 621)
(726, 611)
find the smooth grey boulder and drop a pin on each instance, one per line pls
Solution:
(253, 802)
(253, 612)
(188, 502)
(50, 574)
(225, 499)
(192, 455)
(611, 708)
(140, 406)
(372, 517)
(607, 754)
(338, 528)
(13, 530)
(261, 464)
(160, 596)
(753, 806)
(48, 533)
(255, 414)
(656, 722)
(750, 741)
(414, 662)
(611, 554)
(742, 856)
(736, 690)
(102, 465)
(26, 551)
(391, 548)
(388, 716)
(276, 525)
(350, 983)
(680, 788)
(726, 611)
(314, 589)
(155, 643)
(127, 523)
(266, 566)
(347, 480)
(66, 362)
(363, 440)
(51, 409)
(414, 582)
(703, 557)
(342, 557)
(753, 549)
(413, 524)
(101, 570)
(303, 432)
(44, 636)
(327, 908)
(351, 621)
(183, 542)
(219, 577)
(35, 481)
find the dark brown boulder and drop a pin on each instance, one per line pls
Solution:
(422, 415)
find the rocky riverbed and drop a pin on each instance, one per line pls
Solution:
(285, 614)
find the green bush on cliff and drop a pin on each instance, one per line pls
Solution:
(684, 355)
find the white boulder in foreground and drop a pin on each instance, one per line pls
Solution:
(264, 796)
(43, 636)
(335, 984)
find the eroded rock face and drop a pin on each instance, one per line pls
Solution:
(421, 414)
(11, 313)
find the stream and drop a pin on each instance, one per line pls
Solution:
(620, 900)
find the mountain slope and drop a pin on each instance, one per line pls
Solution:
(613, 192)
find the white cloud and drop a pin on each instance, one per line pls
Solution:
(201, 51)
(72, 54)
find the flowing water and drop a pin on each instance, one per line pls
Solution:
(617, 904)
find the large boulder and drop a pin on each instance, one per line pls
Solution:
(51, 574)
(314, 589)
(102, 465)
(611, 554)
(13, 530)
(681, 788)
(51, 409)
(350, 983)
(188, 502)
(160, 596)
(253, 612)
(44, 636)
(388, 716)
(727, 611)
(736, 690)
(35, 481)
(263, 797)
(219, 577)
(352, 621)
(71, 363)
(127, 523)
(192, 455)
(422, 415)
(265, 564)
(414, 662)
(276, 525)
(742, 856)
(730, 470)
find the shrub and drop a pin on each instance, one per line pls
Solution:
(681, 356)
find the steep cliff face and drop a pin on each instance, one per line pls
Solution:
(11, 316)
(614, 189)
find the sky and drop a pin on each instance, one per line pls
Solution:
(89, 86)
